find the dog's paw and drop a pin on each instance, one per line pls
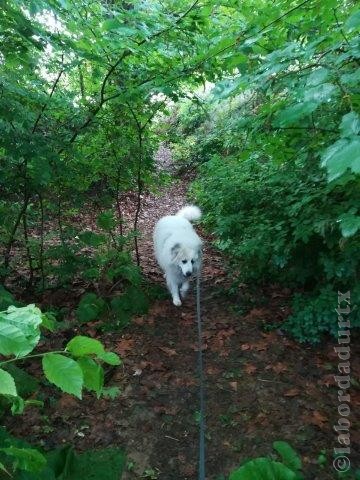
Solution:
(177, 302)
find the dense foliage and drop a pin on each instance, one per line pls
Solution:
(279, 147)
(278, 141)
(80, 84)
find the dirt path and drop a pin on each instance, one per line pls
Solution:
(260, 387)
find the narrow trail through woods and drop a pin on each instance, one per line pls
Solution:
(260, 387)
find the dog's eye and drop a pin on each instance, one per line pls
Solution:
(184, 261)
(192, 261)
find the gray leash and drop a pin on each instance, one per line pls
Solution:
(201, 380)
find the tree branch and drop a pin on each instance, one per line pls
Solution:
(46, 104)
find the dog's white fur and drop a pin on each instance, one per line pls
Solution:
(178, 249)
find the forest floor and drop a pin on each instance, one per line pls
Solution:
(260, 385)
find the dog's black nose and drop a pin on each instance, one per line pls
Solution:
(188, 274)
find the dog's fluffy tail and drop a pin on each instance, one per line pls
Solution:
(190, 212)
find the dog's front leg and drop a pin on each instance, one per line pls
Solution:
(184, 288)
(173, 289)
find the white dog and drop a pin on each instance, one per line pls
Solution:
(178, 249)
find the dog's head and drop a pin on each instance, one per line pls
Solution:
(186, 258)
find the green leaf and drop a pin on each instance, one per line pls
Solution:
(111, 358)
(80, 346)
(64, 372)
(106, 221)
(292, 114)
(317, 76)
(48, 321)
(7, 384)
(351, 79)
(18, 406)
(288, 455)
(93, 374)
(263, 469)
(341, 156)
(320, 93)
(27, 459)
(19, 330)
(111, 392)
(12, 340)
(6, 298)
(349, 224)
(353, 21)
(350, 124)
(25, 384)
(92, 239)
(90, 307)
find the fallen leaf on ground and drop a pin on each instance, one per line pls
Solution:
(277, 368)
(327, 380)
(212, 370)
(250, 368)
(166, 409)
(124, 346)
(234, 386)
(169, 351)
(293, 392)
(260, 346)
(316, 418)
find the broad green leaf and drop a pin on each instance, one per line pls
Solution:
(353, 21)
(12, 340)
(93, 374)
(111, 358)
(80, 346)
(235, 60)
(351, 79)
(293, 114)
(350, 124)
(64, 372)
(317, 76)
(288, 455)
(263, 469)
(341, 156)
(320, 93)
(349, 224)
(7, 384)
(27, 459)
(19, 330)
(25, 383)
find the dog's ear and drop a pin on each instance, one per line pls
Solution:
(175, 250)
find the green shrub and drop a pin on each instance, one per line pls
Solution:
(282, 223)
(281, 191)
